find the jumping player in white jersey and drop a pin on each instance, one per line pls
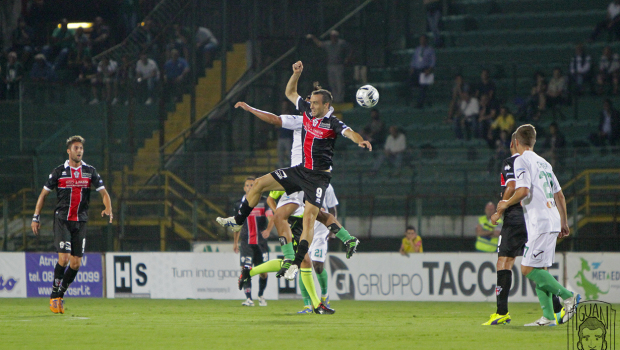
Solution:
(544, 208)
(289, 208)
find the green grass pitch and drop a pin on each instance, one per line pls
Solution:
(212, 324)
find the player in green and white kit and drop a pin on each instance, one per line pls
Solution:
(544, 208)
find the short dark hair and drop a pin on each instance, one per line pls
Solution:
(73, 139)
(250, 178)
(526, 134)
(513, 137)
(411, 227)
(327, 96)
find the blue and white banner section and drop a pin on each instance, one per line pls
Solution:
(426, 277)
(88, 282)
(596, 276)
(12, 275)
(178, 276)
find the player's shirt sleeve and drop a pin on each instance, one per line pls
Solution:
(96, 181)
(302, 105)
(522, 174)
(292, 122)
(52, 180)
(337, 125)
(330, 197)
(556, 185)
(508, 172)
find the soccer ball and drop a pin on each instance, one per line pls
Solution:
(367, 96)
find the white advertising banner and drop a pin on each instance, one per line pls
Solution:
(178, 276)
(596, 276)
(425, 277)
(13, 275)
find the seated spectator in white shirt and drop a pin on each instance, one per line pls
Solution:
(465, 123)
(608, 69)
(106, 80)
(147, 74)
(580, 69)
(557, 90)
(395, 146)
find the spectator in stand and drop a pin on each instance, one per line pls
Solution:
(537, 102)
(206, 43)
(580, 69)
(504, 122)
(608, 126)
(146, 37)
(99, 37)
(611, 23)
(178, 39)
(106, 78)
(81, 44)
(22, 40)
(467, 116)
(125, 79)
(130, 10)
(608, 71)
(12, 76)
(339, 53)
(147, 74)
(41, 73)
(411, 243)
(61, 43)
(175, 71)
(486, 117)
(557, 91)
(375, 131)
(486, 85)
(395, 146)
(421, 69)
(433, 18)
(554, 145)
(486, 232)
(502, 151)
(457, 88)
(87, 80)
(285, 139)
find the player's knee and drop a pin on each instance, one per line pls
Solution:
(75, 262)
(318, 267)
(63, 260)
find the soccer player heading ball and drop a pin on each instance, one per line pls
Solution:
(72, 181)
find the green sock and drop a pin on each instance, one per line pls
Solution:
(269, 266)
(322, 277)
(546, 303)
(308, 281)
(287, 250)
(343, 235)
(546, 282)
(304, 292)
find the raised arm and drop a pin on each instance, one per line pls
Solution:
(107, 202)
(291, 86)
(262, 115)
(560, 203)
(317, 42)
(357, 138)
(36, 219)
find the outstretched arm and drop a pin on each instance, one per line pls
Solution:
(262, 115)
(317, 42)
(357, 138)
(291, 86)
(36, 224)
(107, 202)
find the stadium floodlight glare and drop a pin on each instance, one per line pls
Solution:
(77, 25)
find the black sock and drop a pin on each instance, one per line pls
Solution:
(248, 289)
(334, 228)
(504, 282)
(262, 284)
(243, 212)
(66, 281)
(302, 250)
(59, 272)
(557, 304)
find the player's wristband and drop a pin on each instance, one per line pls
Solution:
(36, 218)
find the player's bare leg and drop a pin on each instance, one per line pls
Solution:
(351, 243)
(262, 184)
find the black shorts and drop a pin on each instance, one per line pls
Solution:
(69, 236)
(253, 254)
(512, 240)
(314, 183)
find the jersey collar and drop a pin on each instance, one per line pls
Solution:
(328, 114)
(68, 166)
(515, 155)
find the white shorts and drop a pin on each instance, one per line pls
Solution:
(295, 198)
(540, 250)
(318, 248)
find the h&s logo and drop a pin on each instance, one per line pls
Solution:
(592, 327)
(123, 279)
(8, 285)
(345, 287)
